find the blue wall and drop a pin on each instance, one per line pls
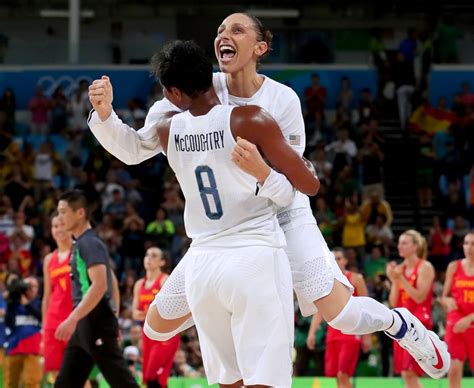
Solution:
(136, 81)
(446, 81)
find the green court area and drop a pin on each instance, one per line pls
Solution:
(319, 382)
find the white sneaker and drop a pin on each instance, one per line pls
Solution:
(423, 345)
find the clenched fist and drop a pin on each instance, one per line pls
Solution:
(101, 96)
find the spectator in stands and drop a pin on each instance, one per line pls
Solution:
(379, 234)
(425, 163)
(7, 224)
(315, 102)
(448, 35)
(181, 367)
(440, 243)
(371, 159)
(79, 110)
(341, 151)
(17, 187)
(59, 111)
(326, 219)
(174, 205)
(460, 229)
(375, 263)
(8, 105)
(24, 231)
(44, 169)
(353, 233)
(404, 78)
(39, 106)
(161, 231)
(6, 132)
(379, 57)
(118, 207)
(345, 100)
(322, 165)
(133, 241)
(375, 206)
(454, 204)
(23, 320)
(367, 108)
(408, 46)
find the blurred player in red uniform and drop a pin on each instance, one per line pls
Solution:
(412, 288)
(342, 350)
(458, 301)
(57, 297)
(157, 356)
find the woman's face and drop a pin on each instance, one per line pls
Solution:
(236, 44)
(406, 246)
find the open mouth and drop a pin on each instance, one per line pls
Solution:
(226, 53)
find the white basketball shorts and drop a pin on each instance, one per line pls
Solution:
(313, 266)
(242, 303)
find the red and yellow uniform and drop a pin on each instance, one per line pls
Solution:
(59, 308)
(403, 361)
(158, 356)
(461, 345)
(342, 350)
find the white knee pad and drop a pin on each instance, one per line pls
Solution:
(362, 315)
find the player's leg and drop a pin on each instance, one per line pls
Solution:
(161, 358)
(347, 362)
(107, 355)
(455, 373)
(32, 371)
(411, 379)
(262, 315)
(213, 320)
(460, 346)
(320, 280)
(169, 314)
(76, 367)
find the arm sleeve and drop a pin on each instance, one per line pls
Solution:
(291, 122)
(122, 141)
(277, 188)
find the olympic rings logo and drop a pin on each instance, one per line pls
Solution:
(49, 84)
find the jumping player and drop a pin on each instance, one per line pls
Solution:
(342, 350)
(157, 356)
(412, 288)
(57, 296)
(318, 282)
(245, 332)
(458, 302)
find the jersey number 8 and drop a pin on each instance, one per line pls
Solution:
(207, 191)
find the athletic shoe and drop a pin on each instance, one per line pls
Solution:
(423, 345)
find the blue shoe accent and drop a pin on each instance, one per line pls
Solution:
(403, 329)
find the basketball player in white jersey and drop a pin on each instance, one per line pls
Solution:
(318, 282)
(236, 274)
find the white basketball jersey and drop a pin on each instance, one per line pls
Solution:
(221, 208)
(284, 106)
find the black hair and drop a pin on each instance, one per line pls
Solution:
(77, 199)
(263, 34)
(184, 65)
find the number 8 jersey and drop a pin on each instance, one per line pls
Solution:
(222, 208)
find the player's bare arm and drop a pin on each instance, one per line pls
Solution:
(252, 123)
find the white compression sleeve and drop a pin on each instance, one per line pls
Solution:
(362, 315)
(278, 189)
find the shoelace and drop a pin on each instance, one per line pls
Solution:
(417, 349)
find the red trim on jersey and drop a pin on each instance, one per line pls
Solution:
(462, 291)
(147, 295)
(420, 310)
